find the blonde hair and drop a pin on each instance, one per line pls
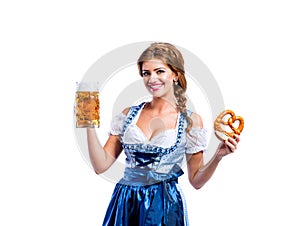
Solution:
(172, 57)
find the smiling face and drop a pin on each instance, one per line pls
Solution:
(158, 78)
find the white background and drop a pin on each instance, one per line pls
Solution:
(252, 49)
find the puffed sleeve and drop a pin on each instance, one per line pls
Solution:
(196, 140)
(117, 124)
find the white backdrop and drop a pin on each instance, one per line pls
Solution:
(252, 48)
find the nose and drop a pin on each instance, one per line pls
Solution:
(153, 76)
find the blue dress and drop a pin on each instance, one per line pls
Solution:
(148, 194)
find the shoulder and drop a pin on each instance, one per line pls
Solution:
(197, 120)
(126, 110)
(132, 108)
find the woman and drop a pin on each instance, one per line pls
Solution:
(155, 137)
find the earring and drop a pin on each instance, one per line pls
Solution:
(176, 83)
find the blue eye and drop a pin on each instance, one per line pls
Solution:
(160, 71)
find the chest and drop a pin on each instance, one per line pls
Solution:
(152, 125)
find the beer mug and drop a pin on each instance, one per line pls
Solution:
(87, 105)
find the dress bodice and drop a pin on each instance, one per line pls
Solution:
(161, 156)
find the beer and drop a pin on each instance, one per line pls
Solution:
(87, 109)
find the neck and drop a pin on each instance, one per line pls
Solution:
(163, 105)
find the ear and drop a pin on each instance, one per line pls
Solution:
(175, 78)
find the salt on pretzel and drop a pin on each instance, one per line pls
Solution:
(225, 128)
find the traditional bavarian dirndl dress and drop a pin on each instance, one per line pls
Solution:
(148, 193)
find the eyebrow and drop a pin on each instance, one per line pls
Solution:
(155, 69)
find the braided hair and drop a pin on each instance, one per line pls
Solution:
(172, 57)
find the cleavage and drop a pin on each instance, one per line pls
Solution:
(155, 126)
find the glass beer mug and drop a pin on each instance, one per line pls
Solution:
(87, 105)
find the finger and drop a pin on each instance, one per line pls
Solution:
(232, 141)
(237, 137)
(230, 145)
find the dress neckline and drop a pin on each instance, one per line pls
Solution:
(135, 120)
(149, 147)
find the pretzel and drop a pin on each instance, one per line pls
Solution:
(223, 133)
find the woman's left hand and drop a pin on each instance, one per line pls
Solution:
(229, 146)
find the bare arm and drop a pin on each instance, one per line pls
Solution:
(103, 157)
(199, 173)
